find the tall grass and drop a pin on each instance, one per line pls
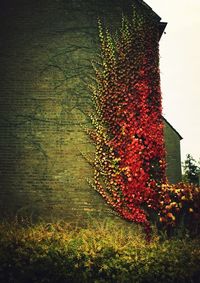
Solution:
(103, 251)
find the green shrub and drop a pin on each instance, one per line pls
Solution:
(100, 253)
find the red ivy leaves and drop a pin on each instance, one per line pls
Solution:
(128, 129)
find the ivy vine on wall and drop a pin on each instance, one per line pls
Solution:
(128, 129)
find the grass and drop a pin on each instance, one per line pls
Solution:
(104, 251)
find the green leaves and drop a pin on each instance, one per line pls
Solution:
(104, 252)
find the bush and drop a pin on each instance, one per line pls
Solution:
(102, 253)
(179, 208)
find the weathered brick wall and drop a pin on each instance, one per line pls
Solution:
(172, 144)
(46, 52)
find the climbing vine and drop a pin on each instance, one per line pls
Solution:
(128, 129)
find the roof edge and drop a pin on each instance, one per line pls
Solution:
(172, 128)
(162, 25)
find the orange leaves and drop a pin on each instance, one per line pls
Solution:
(178, 200)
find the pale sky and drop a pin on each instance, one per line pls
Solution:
(180, 69)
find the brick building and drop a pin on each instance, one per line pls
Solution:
(173, 156)
(46, 48)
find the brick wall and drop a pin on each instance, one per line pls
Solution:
(46, 52)
(46, 48)
(172, 144)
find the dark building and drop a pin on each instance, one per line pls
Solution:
(46, 48)
(173, 156)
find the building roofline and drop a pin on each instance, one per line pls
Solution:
(172, 128)
(162, 25)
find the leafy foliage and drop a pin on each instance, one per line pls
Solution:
(179, 207)
(128, 128)
(103, 252)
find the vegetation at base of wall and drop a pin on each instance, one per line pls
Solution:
(104, 252)
(179, 208)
